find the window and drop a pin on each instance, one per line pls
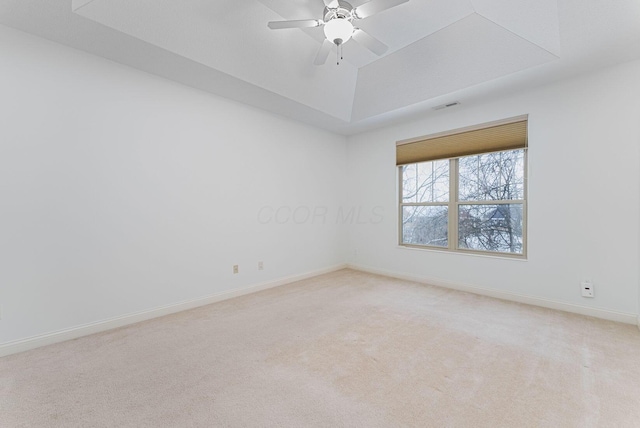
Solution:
(466, 190)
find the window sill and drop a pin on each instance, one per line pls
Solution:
(516, 258)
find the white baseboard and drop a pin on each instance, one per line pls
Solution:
(606, 314)
(99, 326)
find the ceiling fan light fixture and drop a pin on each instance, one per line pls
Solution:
(338, 17)
(338, 30)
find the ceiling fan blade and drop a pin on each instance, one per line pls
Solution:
(303, 23)
(331, 4)
(375, 6)
(369, 42)
(323, 53)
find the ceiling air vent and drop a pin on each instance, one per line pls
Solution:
(444, 106)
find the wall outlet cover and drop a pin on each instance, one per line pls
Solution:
(587, 289)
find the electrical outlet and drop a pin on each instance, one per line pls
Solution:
(587, 289)
(235, 268)
(260, 266)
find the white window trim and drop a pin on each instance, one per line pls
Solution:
(453, 209)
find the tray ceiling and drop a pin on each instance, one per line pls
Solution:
(438, 50)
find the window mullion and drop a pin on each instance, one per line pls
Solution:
(525, 195)
(492, 202)
(424, 204)
(400, 205)
(453, 204)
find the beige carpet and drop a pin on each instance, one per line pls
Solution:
(343, 349)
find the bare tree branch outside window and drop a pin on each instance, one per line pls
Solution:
(488, 209)
(426, 184)
(492, 177)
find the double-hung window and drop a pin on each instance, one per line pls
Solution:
(465, 190)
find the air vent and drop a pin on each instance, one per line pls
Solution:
(444, 106)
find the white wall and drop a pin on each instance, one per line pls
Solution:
(584, 139)
(122, 192)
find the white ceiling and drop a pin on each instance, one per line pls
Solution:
(439, 50)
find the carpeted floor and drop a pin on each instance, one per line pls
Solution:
(343, 349)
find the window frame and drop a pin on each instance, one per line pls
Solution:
(453, 206)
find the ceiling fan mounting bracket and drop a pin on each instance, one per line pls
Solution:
(343, 11)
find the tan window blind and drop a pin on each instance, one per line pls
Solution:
(509, 134)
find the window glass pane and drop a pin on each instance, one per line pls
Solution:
(492, 176)
(490, 227)
(425, 225)
(425, 182)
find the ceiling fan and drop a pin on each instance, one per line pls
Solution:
(338, 19)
